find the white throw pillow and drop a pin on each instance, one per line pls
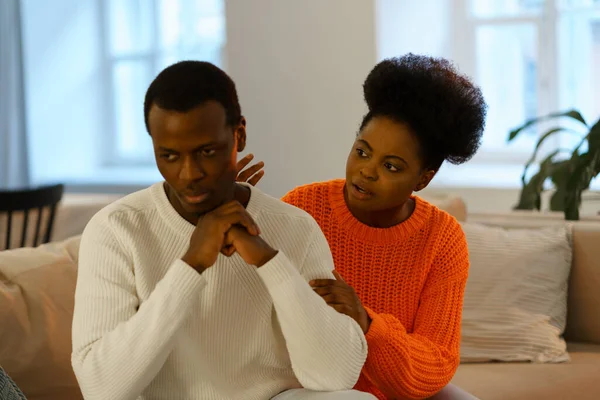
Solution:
(516, 296)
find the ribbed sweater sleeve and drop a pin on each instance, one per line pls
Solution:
(327, 349)
(119, 345)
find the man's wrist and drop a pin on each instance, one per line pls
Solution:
(269, 255)
(196, 266)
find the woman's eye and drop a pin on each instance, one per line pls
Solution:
(361, 153)
(391, 167)
(208, 153)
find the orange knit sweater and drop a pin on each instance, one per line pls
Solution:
(410, 279)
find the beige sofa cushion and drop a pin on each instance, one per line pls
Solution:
(36, 310)
(453, 205)
(578, 379)
(515, 298)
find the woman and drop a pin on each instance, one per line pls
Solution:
(404, 262)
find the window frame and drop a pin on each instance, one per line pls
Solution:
(464, 27)
(111, 156)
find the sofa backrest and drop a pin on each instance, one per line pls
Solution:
(453, 205)
(583, 303)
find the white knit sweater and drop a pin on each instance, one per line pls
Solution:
(146, 325)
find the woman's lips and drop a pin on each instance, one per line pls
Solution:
(360, 193)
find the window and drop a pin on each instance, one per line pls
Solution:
(87, 66)
(530, 57)
(141, 38)
(579, 59)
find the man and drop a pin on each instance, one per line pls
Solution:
(197, 287)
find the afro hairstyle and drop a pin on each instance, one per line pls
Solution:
(443, 108)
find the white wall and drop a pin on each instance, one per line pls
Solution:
(422, 27)
(299, 68)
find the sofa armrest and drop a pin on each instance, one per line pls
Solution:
(583, 315)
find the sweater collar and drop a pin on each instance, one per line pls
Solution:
(180, 224)
(357, 229)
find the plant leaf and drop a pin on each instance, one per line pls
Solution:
(586, 169)
(571, 211)
(537, 148)
(560, 177)
(594, 137)
(529, 198)
(534, 155)
(531, 194)
(574, 114)
(560, 173)
(571, 114)
(558, 201)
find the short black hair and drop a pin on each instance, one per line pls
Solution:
(187, 84)
(443, 108)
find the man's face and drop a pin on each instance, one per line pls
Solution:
(196, 153)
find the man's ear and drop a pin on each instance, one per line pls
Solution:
(240, 135)
(426, 177)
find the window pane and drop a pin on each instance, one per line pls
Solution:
(579, 63)
(578, 3)
(130, 26)
(507, 70)
(148, 40)
(189, 26)
(505, 8)
(130, 81)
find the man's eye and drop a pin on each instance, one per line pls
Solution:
(208, 152)
(168, 157)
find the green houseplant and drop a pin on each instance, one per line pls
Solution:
(570, 170)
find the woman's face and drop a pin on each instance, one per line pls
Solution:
(384, 167)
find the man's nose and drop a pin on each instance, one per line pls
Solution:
(191, 170)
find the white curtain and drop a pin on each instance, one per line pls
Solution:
(13, 142)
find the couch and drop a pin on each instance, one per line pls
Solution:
(36, 305)
(578, 379)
